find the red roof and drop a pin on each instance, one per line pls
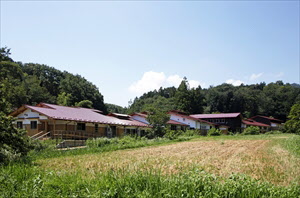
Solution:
(269, 118)
(217, 115)
(176, 123)
(254, 123)
(80, 114)
(139, 114)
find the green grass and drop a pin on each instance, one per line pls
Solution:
(30, 180)
(100, 145)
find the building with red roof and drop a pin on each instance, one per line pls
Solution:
(273, 123)
(231, 121)
(62, 121)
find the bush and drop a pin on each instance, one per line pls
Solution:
(14, 144)
(214, 132)
(190, 133)
(149, 133)
(172, 134)
(252, 130)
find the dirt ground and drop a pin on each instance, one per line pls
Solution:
(256, 158)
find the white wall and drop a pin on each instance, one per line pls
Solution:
(190, 122)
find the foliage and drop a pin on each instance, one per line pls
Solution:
(274, 99)
(24, 180)
(112, 108)
(214, 132)
(85, 104)
(293, 124)
(157, 119)
(64, 99)
(172, 134)
(251, 130)
(14, 144)
(31, 83)
(191, 133)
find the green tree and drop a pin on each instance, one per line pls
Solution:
(85, 104)
(14, 144)
(293, 124)
(182, 96)
(64, 99)
(4, 54)
(157, 119)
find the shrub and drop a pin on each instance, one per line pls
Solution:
(149, 133)
(214, 132)
(14, 144)
(191, 133)
(172, 134)
(252, 130)
(98, 142)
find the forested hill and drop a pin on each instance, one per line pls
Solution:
(30, 83)
(273, 99)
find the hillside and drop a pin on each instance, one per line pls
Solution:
(273, 99)
(31, 83)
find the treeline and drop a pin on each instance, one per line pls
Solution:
(273, 99)
(30, 83)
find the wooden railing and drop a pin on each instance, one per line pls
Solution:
(73, 135)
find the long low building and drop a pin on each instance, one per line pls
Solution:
(73, 122)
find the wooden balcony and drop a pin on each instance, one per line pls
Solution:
(73, 135)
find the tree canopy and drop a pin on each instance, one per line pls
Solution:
(31, 83)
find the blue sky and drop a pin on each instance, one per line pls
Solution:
(127, 48)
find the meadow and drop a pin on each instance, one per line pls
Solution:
(222, 166)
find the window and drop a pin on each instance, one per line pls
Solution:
(33, 124)
(96, 128)
(81, 126)
(20, 125)
(183, 119)
(173, 127)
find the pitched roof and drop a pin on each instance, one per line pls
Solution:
(176, 123)
(269, 118)
(183, 115)
(139, 114)
(217, 115)
(254, 123)
(80, 114)
(119, 115)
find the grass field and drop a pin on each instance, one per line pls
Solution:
(225, 166)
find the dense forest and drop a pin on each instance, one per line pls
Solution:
(273, 99)
(30, 83)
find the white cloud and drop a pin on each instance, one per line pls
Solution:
(255, 76)
(174, 80)
(154, 80)
(194, 83)
(150, 81)
(234, 82)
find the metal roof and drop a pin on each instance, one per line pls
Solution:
(217, 115)
(176, 123)
(254, 123)
(269, 118)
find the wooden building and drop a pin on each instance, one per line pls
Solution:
(273, 123)
(226, 121)
(72, 122)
